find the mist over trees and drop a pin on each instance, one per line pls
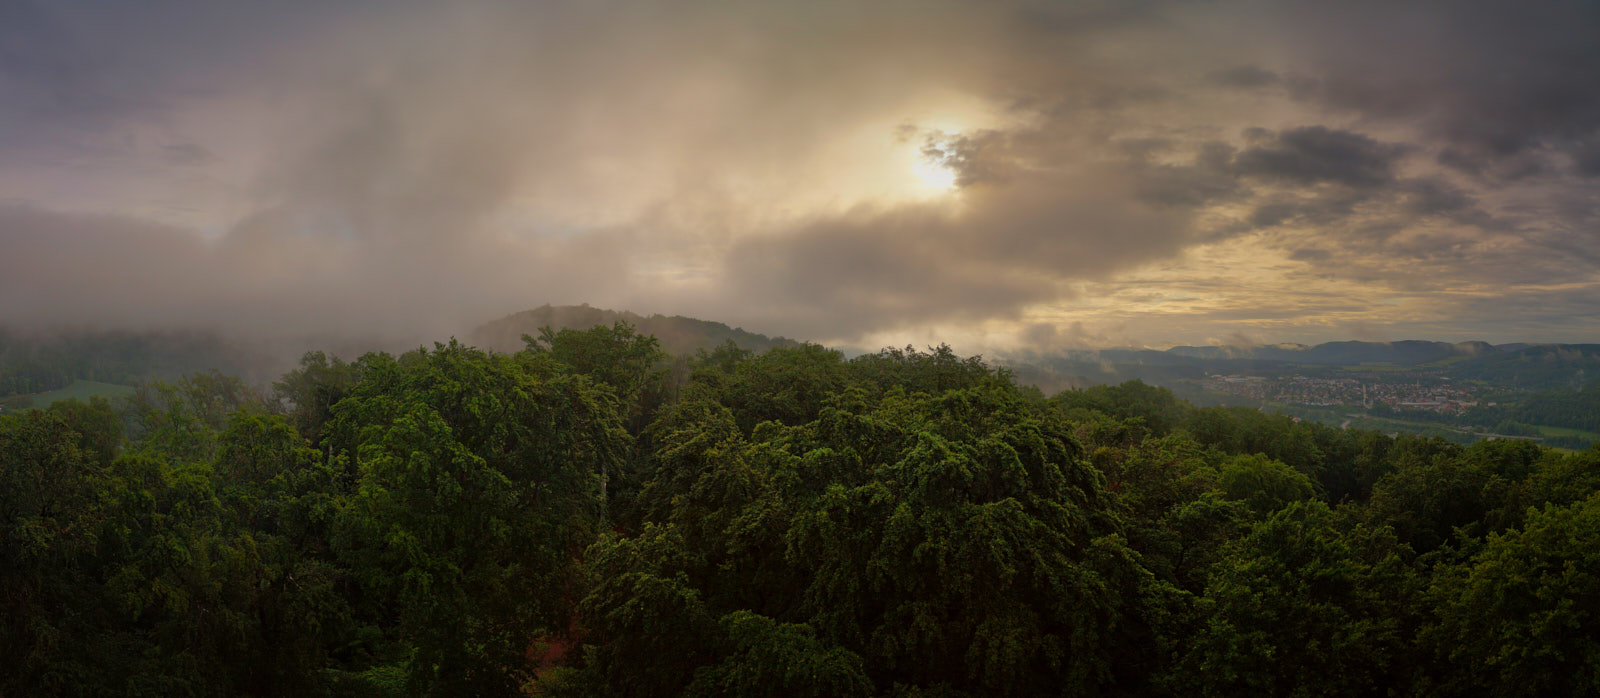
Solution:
(592, 516)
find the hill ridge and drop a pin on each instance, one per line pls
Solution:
(679, 335)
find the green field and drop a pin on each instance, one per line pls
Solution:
(82, 390)
(1563, 431)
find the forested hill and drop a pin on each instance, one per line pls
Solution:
(573, 519)
(33, 362)
(678, 335)
(39, 361)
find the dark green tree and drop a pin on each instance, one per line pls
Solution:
(617, 356)
(956, 542)
(479, 483)
(1306, 605)
(1522, 617)
(1263, 484)
(310, 392)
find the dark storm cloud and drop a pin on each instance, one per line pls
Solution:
(1494, 79)
(1376, 211)
(1267, 215)
(1316, 154)
(1429, 197)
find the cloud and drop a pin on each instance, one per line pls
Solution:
(1311, 155)
(1006, 245)
(1587, 159)
(1245, 76)
(263, 276)
(1236, 340)
(1169, 170)
(1495, 80)
(182, 154)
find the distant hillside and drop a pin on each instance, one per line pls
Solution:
(679, 335)
(1566, 366)
(35, 362)
(1518, 366)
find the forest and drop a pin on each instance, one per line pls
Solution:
(590, 516)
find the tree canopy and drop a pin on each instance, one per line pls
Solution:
(589, 516)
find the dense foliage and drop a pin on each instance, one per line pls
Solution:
(590, 517)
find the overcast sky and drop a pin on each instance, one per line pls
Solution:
(996, 174)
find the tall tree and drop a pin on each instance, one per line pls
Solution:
(1522, 617)
(1306, 605)
(479, 483)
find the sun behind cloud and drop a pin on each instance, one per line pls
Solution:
(932, 166)
(934, 174)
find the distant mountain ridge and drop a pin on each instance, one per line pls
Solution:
(679, 335)
(1519, 365)
(35, 362)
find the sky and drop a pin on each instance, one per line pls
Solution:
(1000, 175)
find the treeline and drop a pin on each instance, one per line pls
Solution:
(585, 517)
(40, 362)
(1570, 409)
(34, 376)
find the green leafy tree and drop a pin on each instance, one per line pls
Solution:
(956, 542)
(1242, 430)
(224, 609)
(311, 391)
(479, 482)
(615, 356)
(1263, 484)
(1522, 617)
(789, 385)
(1354, 460)
(180, 421)
(50, 503)
(933, 372)
(1566, 479)
(1158, 407)
(779, 660)
(1305, 606)
(654, 624)
(1439, 492)
(1172, 505)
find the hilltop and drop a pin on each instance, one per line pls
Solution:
(679, 335)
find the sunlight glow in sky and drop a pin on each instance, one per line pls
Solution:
(934, 173)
